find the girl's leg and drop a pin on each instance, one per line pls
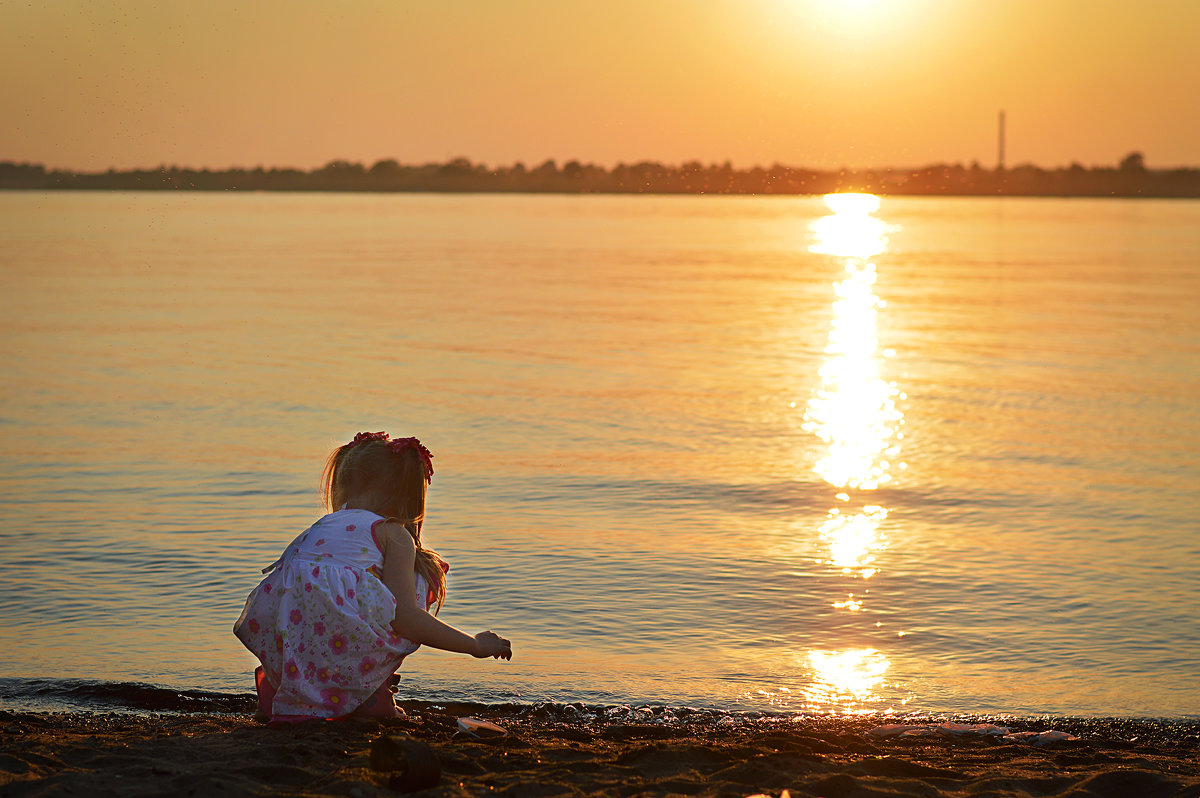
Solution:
(266, 694)
(380, 706)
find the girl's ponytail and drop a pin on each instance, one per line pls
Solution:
(434, 569)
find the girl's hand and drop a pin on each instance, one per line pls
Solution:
(490, 644)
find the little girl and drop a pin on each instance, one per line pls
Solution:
(348, 599)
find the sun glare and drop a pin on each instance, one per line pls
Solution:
(855, 6)
(854, 411)
(845, 678)
(852, 18)
(853, 538)
(850, 203)
(850, 231)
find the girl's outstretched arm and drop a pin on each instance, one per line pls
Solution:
(412, 621)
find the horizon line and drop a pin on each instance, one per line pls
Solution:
(592, 164)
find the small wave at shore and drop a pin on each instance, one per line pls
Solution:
(96, 697)
(47, 695)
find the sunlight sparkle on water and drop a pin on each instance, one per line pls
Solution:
(854, 410)
(845, 678)
(853, 538)
(852, 203)
(851, 231)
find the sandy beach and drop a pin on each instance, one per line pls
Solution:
(578, 750)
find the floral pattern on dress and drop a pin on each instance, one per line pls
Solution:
(320, 622)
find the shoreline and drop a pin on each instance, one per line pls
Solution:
(583, 750)
(84, 696)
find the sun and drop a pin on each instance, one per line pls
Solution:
(848, 17)
(845, 11)
(855, 5)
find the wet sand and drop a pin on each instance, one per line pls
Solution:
(589, 751)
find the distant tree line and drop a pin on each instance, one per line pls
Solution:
(1128, 178)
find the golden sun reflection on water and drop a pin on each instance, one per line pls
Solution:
(846, 679)
(851, 231)
(852, 538)
(854, 413)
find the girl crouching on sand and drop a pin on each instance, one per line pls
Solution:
(349, 598)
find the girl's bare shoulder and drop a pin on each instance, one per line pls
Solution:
(391, 533)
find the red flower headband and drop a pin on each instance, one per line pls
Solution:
(399, 445)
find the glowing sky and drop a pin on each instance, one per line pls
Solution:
(824, 83)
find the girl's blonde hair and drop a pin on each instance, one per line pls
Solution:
(388, 478)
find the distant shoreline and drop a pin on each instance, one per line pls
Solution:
(1129, 179)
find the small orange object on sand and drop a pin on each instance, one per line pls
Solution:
(480, 728)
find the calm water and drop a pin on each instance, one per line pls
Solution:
(723, 452)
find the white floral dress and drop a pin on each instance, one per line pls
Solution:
(320, 622)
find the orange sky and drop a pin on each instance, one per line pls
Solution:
(824, 83)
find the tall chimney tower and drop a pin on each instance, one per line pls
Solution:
(1000, 147)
